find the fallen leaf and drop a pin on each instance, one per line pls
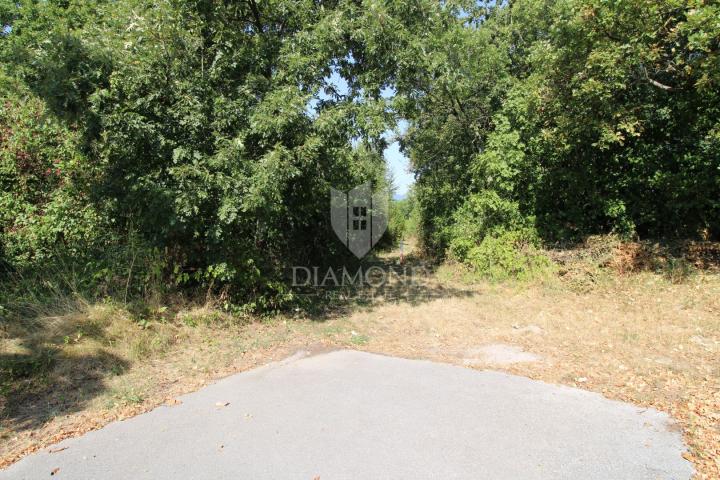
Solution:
(55, 471)
(56, 450)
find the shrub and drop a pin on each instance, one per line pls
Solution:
(482, 215)
(509, 255)
(43, 207)
(492, 237)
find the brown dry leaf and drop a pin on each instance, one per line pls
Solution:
(55, 471)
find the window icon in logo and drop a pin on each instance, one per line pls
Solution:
(359, 218)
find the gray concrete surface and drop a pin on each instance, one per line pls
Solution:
(353, 415)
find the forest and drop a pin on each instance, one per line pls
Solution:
(190, 145)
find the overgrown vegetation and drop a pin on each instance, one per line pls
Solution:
(571, 117)
(157, 155)
(207, 134)
(180, 131)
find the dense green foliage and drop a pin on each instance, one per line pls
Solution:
(404, 219)
(183, 125)
(573, 117)
(206, 134)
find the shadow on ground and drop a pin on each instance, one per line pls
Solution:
(385, 278)
(41, 381)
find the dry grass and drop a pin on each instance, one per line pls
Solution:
(641, 337)
(105, 366)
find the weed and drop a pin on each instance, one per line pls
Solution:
(126, 396)
(190, 321)
(678, 270)
(359, 339)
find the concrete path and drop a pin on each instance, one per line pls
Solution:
(353, 415)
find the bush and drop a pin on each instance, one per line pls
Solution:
(482, 215)
(43, 206)
(492, 238)
(509, 255)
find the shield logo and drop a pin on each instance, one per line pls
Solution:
(359, 217)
